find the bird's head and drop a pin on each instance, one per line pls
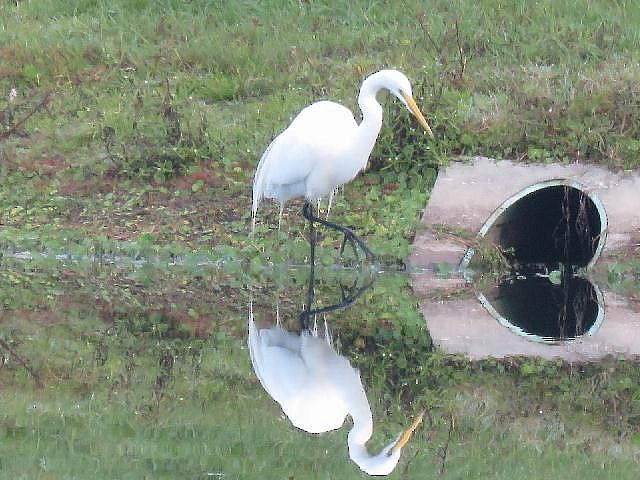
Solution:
(398, 84)
(386, 461)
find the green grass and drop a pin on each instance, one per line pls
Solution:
(165, 107)
(134, 133)
(543, 82)
(162, 90)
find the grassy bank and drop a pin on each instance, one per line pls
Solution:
(130, 117)
(129, 135)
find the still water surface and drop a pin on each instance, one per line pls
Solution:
(147, 372)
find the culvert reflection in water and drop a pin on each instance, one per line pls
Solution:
(546, 310)
(539, 217)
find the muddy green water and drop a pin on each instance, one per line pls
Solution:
(143, 371)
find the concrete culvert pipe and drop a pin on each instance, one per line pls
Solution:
(557, 220)
(552, 222)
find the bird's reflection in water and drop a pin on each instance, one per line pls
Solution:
(317, 387)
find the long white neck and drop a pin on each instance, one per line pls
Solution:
(371, 123)
(367, 132)
(360, 433)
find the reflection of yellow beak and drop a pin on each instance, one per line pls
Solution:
(406, 435)
(418, 114)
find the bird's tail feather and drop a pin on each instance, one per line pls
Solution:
(258, 185)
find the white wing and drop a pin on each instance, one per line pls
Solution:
(319, 133)
(303, 374)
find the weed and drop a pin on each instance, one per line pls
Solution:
(492, 262)
(10, 124)
(151, 140)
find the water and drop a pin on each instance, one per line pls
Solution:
(149, 363)
(536, 307)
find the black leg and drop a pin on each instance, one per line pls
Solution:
(312, 266)
(307, 212)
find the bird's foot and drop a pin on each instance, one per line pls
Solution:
(352, 238)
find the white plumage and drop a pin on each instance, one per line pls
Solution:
(317, 388)
(324, 147)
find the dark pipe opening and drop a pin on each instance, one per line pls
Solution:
(551, 311)
(552, 225)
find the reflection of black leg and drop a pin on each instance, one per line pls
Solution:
(307, 212)
(304, 316)
(306, 313)
(347, 299)
(312, 267)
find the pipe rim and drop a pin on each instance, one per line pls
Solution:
(539, 338)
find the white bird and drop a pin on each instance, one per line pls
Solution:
(324, 147)
(317, 388)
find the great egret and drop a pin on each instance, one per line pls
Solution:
(317, 388)
(324, 148)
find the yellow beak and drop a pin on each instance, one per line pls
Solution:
(418, 114)
(406, 435)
